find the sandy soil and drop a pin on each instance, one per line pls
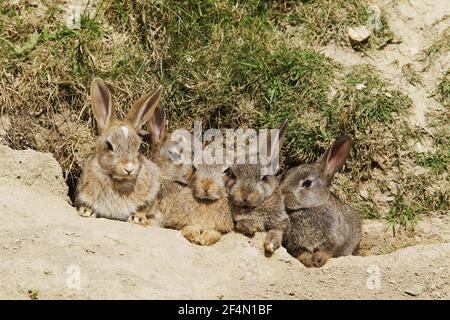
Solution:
(416, 25)
(49, 252)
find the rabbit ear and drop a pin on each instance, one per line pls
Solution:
(102, 104)
(334, 158)
(157, 124)
(143, 109)
(268, 139)
(282, 134)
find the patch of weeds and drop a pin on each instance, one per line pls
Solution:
(443, 90)
(403, 215)
(411, 74)
(440, 46)
(367, 211)
(365, 101)
(438, 163)
(324, 21)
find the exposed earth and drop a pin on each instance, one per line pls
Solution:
(49, 252)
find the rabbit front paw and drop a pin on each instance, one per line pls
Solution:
(139, 219)
(273, 241)
(85, 212)
(192, 234)
(209, 237)
(247, 227)
(314, 260)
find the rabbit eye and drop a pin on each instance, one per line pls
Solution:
(143, 147)
(109, 146)
(307, 183)
(264, 178)
(229, 173)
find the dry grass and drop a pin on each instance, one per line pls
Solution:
(324, 21)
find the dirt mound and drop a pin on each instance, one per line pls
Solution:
(48, 252)
(34, 169)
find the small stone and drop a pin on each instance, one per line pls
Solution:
(364, 193)
(360, 86)
(358, 34)
(414, 290)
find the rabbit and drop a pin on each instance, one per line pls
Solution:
(321, 226)
(202, 211)
(257, 203)
(175, 173)
(117, 181)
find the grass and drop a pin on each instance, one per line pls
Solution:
(325, 21)
(443, 90)
(229, 64)
(434, 50)
(402, 214)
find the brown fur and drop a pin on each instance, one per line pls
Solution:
(117, 181)
(201, 217)
(257, 203)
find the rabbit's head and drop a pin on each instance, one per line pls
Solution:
(118, 144)
(308, 185)
(166, 152)
(248, 185)
(209, 181)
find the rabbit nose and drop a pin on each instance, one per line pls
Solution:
(206, 185)
(129, 168)
(245, 197)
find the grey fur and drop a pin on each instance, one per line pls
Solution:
(319, 221)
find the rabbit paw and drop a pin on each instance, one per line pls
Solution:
(139, 219)
(192, 234)
(319, 258)
(272, 242)
(209, 237)
(85, 212)
(247, 227)
(314, 260)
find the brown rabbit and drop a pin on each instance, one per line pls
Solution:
(117, 182)
(257, 203)
(202, 211)
(321, 226)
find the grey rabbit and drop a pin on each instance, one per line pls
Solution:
(257, 203)
(321, 226)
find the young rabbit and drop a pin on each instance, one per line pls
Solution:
(257, 203)
(175, 174)
(117, 182)
(202, 211)
(321, 226)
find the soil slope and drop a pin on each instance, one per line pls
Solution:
(48, 252)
